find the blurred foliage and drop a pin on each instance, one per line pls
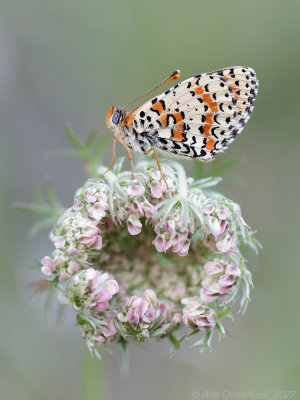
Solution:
(48, 210)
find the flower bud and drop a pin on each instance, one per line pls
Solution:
(199, 316)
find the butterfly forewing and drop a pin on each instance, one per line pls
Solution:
(200, 116)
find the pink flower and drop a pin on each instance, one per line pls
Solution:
(90, 236)
(233, 270)
(73, 267)
(98, 210)
(62, 277)
(210, 293)
(223, 213)
(220, 279)
(135, 190)
(227, 280)
(184, 248)
(49, 265)
(106, 332)
(141, 309)
(134, 225)
(149, 209)
(160, 243)
(213, 268)
(77, 206)
(170, 227)
(224, 244)
(59, 242)
(208, 210)
(197, 315)
(102, 289)
(214, 226)
(91, 195)
(97, 243)
(157, 189)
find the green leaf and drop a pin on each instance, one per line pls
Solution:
(37, 194)
(207, 182)
(52, 195)
(73, 138)
(41, 224)
(175, 342)
(224, 312)
(49, 210)
(91, 139)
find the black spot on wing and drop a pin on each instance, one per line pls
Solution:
(187, 147)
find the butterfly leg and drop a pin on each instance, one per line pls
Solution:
(113, 154)
(127, 151)
(158, 164)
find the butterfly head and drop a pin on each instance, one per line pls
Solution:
(114, 116)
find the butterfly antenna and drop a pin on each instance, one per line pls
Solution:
(171, 77)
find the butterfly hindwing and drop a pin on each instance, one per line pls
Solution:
(200, 116)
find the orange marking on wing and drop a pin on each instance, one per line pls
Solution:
(158, 107)
(164, 119)
(199, 90)
(234, 89)
(212, 105)
(210, 144)
(209, 119)
(177, 133)
(206, 130)
(129, 120)
(236, 96)
(178, 117)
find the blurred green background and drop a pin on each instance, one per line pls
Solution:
(69, 60)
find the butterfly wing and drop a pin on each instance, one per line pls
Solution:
(200, 116)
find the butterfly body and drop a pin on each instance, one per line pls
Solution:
(196, 118)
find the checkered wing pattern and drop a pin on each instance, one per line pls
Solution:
(200, 116)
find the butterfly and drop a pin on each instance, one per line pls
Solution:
(196, 118)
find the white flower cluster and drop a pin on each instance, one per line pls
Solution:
(139, 259)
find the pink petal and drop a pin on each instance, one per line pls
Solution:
(98, 243)
(134, 227)
(48, 262)
(59, 242)
(159, 243)
(213, 268)
(104, 295)
(233, 270)
(156, 190)
(135, 190)
(150, 210)
(63, 277)
(73, 267)
(45, 270)
(101, 306)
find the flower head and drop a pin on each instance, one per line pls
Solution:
(138, 259)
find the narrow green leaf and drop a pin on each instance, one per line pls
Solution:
(99, 147)
(52, 195)
(73, 138)
(37, 194)
(41, 224)
(224, 312)
(91, 139)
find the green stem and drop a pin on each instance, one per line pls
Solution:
(92, 381)
(182, 191)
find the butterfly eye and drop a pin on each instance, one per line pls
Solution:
(116, 117)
